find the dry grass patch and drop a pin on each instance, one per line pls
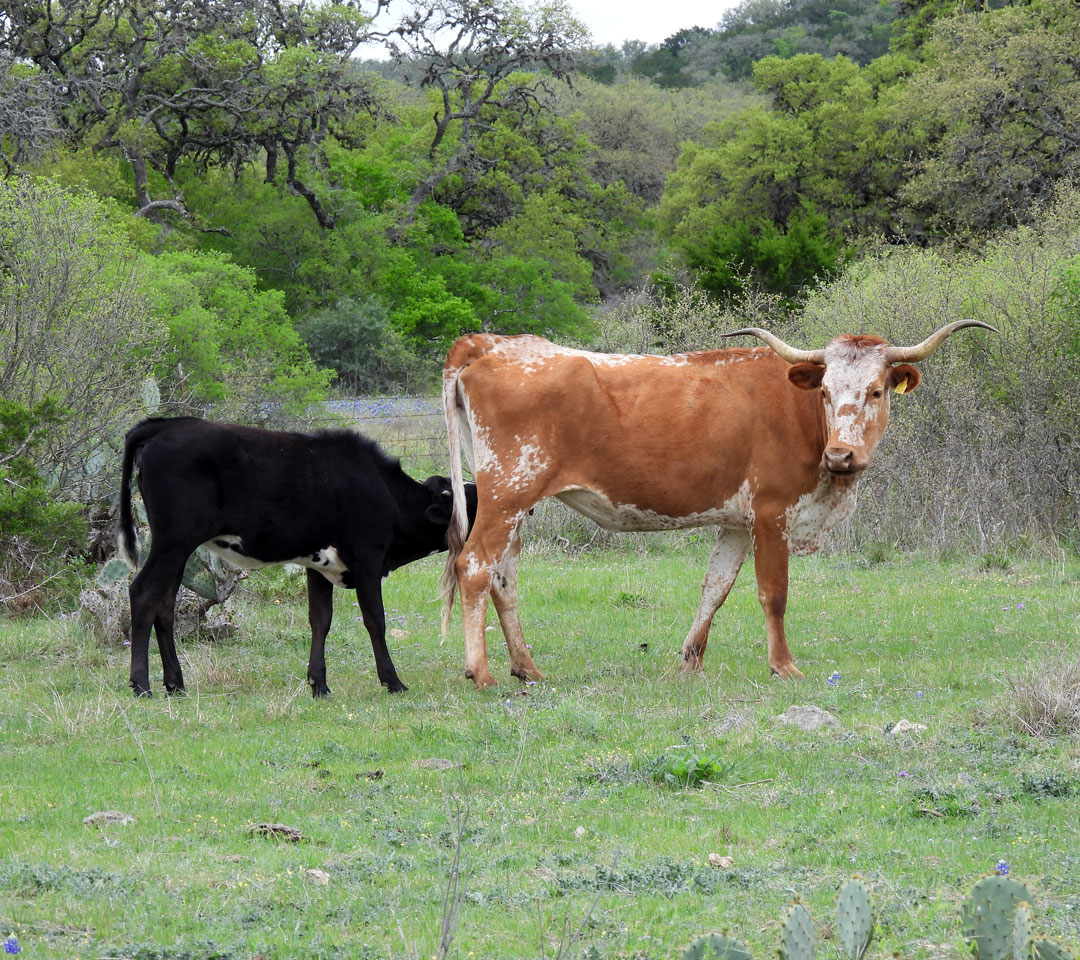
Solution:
(1043, 700)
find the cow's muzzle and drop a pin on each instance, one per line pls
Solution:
(844, 460)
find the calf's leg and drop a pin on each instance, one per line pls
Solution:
(320, 593)
(151, 591)
(724, 564)
(369, 594)
(164, 631)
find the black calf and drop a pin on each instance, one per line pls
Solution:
(331, 501)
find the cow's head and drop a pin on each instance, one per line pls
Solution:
(441, 509)
(856, 376)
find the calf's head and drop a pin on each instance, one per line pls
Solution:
(856, 375)
(441, 509)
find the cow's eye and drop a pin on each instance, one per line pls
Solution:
(877, 394)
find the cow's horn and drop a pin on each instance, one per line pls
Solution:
(788, 352)
(922, 350)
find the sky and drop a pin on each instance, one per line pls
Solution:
(613, 21)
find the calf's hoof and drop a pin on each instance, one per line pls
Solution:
(395, 686)
(177, 691)
(318, 688)
(141, 691)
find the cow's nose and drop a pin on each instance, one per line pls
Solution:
(840, 459)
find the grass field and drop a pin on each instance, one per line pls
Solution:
(571, 825)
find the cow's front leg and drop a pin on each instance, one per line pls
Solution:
(724, 564)
(369, 593)
(320, 592)
(505, 597)
(771, 567)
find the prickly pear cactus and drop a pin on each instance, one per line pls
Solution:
(199, 577)
(113, 571)
(1020, 940)
(797, 934)
(854, 918)
(989, 913)
(716, 946)
(1043, 949)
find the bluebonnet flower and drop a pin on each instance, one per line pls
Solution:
(834, 678)
(918, 694)
(1002, 868)
(11, 944)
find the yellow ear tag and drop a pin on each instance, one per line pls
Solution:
(901, 386)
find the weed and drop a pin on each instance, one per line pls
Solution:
(690, 770)
(1050, 785)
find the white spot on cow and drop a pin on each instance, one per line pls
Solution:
(231, 549)
(736, 511)
(814, 514)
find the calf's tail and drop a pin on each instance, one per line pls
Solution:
(127, 543)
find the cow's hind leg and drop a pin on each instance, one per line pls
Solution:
(771, 567)
(154, 587)
(369, 594)
(476, 566)
(320, 614)
(505, 598)
(724, 564)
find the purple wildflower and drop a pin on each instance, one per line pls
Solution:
(11, 945)
(1002, 868)
(834, 678)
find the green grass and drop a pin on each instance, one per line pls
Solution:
(570, 816)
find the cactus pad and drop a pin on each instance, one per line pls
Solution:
(797, 934)
(988, 915)
(854, 918)
(716, 946)
(1042, 949)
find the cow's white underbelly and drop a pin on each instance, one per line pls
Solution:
(231, 549)
(736, 511)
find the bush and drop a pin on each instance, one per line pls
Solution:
(356, 340)
(74, 325)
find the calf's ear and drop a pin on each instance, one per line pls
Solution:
(440, 512)
(903, 378)
(806, 376)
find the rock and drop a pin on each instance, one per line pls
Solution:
(733, 721)
(438, 763)
(277, 831)
(807, 718)
(319, 877)
(905, 726)
(721, 862)
(579, 833)
(108, 816)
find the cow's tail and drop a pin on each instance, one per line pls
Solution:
(459, 522)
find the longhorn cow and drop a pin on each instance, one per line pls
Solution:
(767, 445)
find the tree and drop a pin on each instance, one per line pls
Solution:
(199, 81)
(996, 115)
(483, 60)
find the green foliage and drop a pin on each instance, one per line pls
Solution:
(356, 339)
(691, 770)
(228, 340)
(29, 510)
(781, 260)
(854, 926)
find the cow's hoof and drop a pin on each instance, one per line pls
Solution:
(690, 665)
(786, 671)
(482, 678)
(319, 689)
(175, 691)
(396, 687)
(525, 676)
(141, 691)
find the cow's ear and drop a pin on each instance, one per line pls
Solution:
(903, 378)
(440, 513)
(806, 376)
